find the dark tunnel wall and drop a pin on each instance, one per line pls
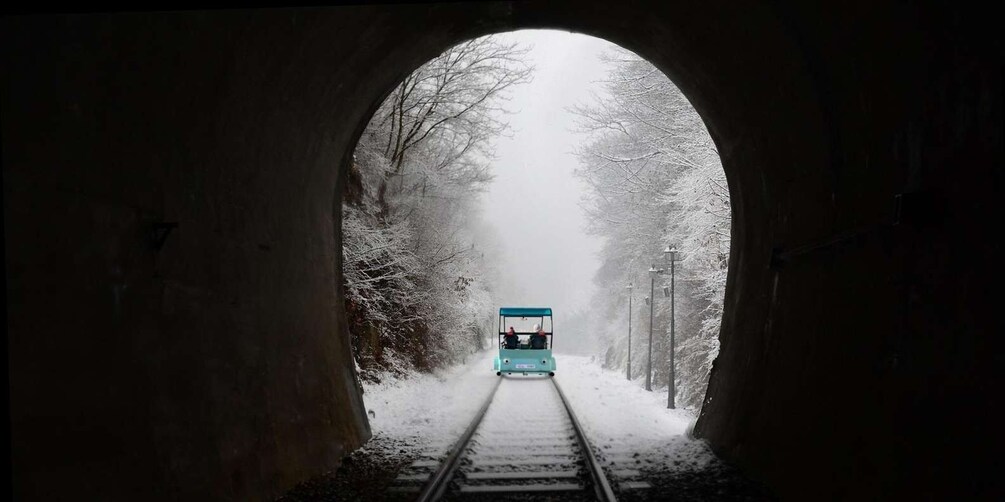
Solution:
(860, 355)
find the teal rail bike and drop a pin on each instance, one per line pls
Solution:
(525, 342)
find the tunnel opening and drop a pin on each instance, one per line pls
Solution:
(869, 280)
(427, 222)
(397, 202)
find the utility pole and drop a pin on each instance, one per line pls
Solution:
(652, 301)
(672, 394)
(629, 288)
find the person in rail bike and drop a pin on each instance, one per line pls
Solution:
(538, 340)
(512, 341)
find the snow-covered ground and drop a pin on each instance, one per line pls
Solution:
(635, 437)
(626, 424)
(409, 415)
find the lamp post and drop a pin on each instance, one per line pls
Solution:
(652, 301)
(671, 253)
(629, 288)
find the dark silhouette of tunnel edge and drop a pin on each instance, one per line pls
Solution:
(859, 144)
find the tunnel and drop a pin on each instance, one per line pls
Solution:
(172, 186)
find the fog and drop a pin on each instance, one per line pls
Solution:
(533, 203)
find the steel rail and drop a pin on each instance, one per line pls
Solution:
(601, 486)
(440, 479)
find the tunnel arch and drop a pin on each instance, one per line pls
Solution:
(659, 375)
(227, 375)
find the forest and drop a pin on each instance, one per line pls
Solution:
(420, 264)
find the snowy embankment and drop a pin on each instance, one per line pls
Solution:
(627, 424)
(624, 423)
(409, 415)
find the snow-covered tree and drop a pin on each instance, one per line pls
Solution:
(655, 180)
(418, 289)
(436, 128)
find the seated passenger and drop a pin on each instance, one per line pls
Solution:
(512, 341)
(538, 340)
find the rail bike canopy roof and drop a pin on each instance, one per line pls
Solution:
(525, 320)
(524, 311)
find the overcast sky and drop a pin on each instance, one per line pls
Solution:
(534, 200)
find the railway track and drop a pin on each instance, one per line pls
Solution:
(524, 443)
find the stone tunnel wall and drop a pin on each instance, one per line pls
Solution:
(859, 355)
(216, 366)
